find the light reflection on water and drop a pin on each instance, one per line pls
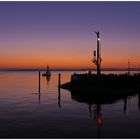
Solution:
(26, 114)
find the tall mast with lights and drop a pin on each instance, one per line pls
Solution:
(97, 58)
(128, 67)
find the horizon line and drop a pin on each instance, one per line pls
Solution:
(69, 69)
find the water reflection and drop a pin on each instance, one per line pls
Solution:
(59, 98)
(48, 78)
(125, 104)
(95, 112)
(21, 115)
(139, 99)
(95, 101)
(39, 87)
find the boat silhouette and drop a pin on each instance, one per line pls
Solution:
(47, 73)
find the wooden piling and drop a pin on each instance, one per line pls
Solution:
(39, 84)
(59, 97)
(59, 79)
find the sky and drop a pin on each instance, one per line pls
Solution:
(62, 34)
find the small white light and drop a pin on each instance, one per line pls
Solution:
(99, 39)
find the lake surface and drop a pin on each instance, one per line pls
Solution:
(24, 113)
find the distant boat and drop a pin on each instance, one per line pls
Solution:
(47, 73)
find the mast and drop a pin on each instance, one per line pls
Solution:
(97, 59)
(128, 67)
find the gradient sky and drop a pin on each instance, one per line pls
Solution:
(61, 34)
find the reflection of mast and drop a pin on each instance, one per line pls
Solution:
(98, 131)
(98, 119)
(96, 112)
(125, 104)
(97, 59)
(97, 116)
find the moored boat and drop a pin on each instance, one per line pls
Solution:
(47, 73)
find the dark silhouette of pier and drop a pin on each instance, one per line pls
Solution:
(103, 85)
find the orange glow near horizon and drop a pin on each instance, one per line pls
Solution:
(68, 59)
(63, 54)
(64, 62)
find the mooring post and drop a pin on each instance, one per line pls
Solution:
(39, 84)
(59, 95)
(59, 98)
(59, 79)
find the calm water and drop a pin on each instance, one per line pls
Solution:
(52, 114)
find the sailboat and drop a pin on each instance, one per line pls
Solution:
(47, 73)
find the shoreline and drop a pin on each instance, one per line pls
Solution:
(68, 69)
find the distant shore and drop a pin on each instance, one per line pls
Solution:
(67, 69)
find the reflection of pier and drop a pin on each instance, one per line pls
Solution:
(125, 99)
(139, 99)
(95, 100)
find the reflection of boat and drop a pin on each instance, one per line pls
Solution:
(47, 73)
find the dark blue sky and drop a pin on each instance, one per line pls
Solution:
(65, 28)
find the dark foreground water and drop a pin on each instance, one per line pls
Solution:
(52, 114)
